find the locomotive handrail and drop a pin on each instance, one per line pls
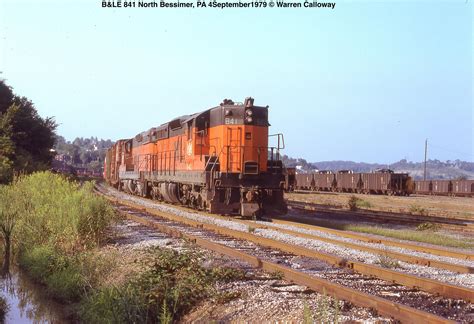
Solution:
(242, 150)
(280, 135)
(144, 160)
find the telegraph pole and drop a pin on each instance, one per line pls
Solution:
(426, 153)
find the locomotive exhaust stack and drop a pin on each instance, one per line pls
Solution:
(217, 160)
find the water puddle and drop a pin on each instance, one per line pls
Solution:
(28, 301)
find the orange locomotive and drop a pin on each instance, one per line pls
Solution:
(217, 160)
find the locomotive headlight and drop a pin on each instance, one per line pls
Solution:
(249, 112)
(248, 119)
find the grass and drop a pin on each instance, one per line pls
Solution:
(428, 227)
(387, 262)
(361, 203)
(64, 215)
(412, 235)
(61, 275)
(354, 203)
(307, 314)
(434, 205)
(327, 311)
(58, 223)
(58, 239)
(401, 234)
(417, 210)
(172, 285)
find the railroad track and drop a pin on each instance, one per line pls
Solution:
(369, 271)
(286, 221)
(376, 250)
(455, 224)
(304, 231)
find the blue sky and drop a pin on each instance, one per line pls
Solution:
(367, 81)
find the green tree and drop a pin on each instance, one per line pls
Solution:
(6, 97)
(26, 139)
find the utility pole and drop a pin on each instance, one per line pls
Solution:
(426, 153)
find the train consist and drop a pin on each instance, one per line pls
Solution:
(379, 182)
(217, 160)
(445, 187)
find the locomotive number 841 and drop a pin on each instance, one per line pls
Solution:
(217, 160)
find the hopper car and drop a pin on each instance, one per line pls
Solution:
(218, 160)
(378, 182)
(458, 188)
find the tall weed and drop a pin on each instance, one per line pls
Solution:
(172, 285)
(62, 214)
(57, 222)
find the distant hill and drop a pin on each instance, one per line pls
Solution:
(435, 169)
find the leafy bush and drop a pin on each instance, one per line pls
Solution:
(428, 227)
(355, 203)
(387, 262)
(327, 310)
(352, 203)
(363, 203)
(172, 285)
(414, 209)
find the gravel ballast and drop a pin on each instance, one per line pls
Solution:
(465, 280)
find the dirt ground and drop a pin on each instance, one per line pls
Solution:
(462, 207)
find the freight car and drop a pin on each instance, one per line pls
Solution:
(218, 160)
(290, 179)
(378, 182)
(458, 188)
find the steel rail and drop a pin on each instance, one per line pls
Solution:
(396, 255)
(463, 225)
(428, 285)
(437, 216)
(403, 313)
(370, 239)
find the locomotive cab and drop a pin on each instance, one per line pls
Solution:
(250, 177)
